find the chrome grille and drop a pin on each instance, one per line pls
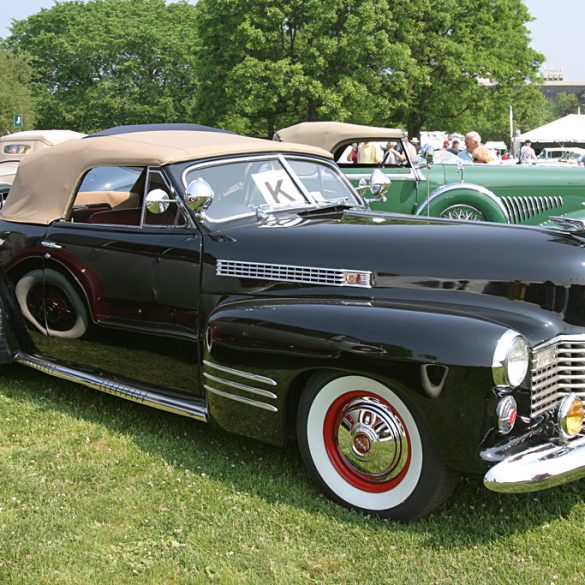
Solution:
(290, 273)
(557, 369)
(522, 208)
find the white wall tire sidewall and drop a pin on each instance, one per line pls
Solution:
(24, 286)
(332, 478)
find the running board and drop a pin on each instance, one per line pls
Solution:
(150, 396)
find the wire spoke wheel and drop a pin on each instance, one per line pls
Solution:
(463, 213)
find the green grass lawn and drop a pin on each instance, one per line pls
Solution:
(94, 489)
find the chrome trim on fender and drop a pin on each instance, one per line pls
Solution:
(143, 395)
(241, 373)
(538, 468)
(243, 387)
(421, 209)
(292, 273)
(242, 399)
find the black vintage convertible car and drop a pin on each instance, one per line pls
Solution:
(245, 283)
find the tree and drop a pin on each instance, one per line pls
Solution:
(472, 62)
(269, 63)
(567, 103)
(438, 65)
(107, 62)
(15, 95)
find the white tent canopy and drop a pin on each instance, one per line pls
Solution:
(570, 129)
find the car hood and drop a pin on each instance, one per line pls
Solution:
(467, 266)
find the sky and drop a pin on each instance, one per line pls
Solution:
(556, 30)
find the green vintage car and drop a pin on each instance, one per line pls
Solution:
(504, 193)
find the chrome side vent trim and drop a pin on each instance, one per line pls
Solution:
(220, 381)
(297, 274)
(241, 399)
(182, 405)
(238, 386)
(240, 373)
(522, 207)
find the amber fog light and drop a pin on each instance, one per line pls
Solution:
(507, 414)
(571, 415)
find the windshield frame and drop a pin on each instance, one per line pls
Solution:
(283, 159)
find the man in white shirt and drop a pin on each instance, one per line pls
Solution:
(527, 154)
(472, 141)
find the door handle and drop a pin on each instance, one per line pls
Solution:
(53, 245)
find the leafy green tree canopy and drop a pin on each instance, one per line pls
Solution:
(107, 62)
(473, 62)
(264, 64)
(567, 103)
(447, 64)
(15, 95)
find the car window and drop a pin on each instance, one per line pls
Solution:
(116, 196)
(242, 188)
(106, 190)
(389, 152)
(16, 149)
(321, 181)
(102, 179)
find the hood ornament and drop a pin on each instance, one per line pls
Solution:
(573, 226)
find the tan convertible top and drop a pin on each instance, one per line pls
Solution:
(330, 135)
(45, 184)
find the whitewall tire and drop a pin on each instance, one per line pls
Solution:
(368, 450)
(66, 315)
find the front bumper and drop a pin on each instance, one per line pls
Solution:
(538, 468)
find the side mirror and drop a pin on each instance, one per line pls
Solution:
(157, 201)
(420, 162)
(378, 184)
(198, 194)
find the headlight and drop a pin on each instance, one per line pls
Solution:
(511, 359)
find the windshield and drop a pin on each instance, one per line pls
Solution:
(245, 187)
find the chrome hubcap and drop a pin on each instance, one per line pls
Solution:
(372, 440)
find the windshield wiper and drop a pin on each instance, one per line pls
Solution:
(336, 207)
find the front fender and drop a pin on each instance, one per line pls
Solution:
(447, 197)
(442, 361)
